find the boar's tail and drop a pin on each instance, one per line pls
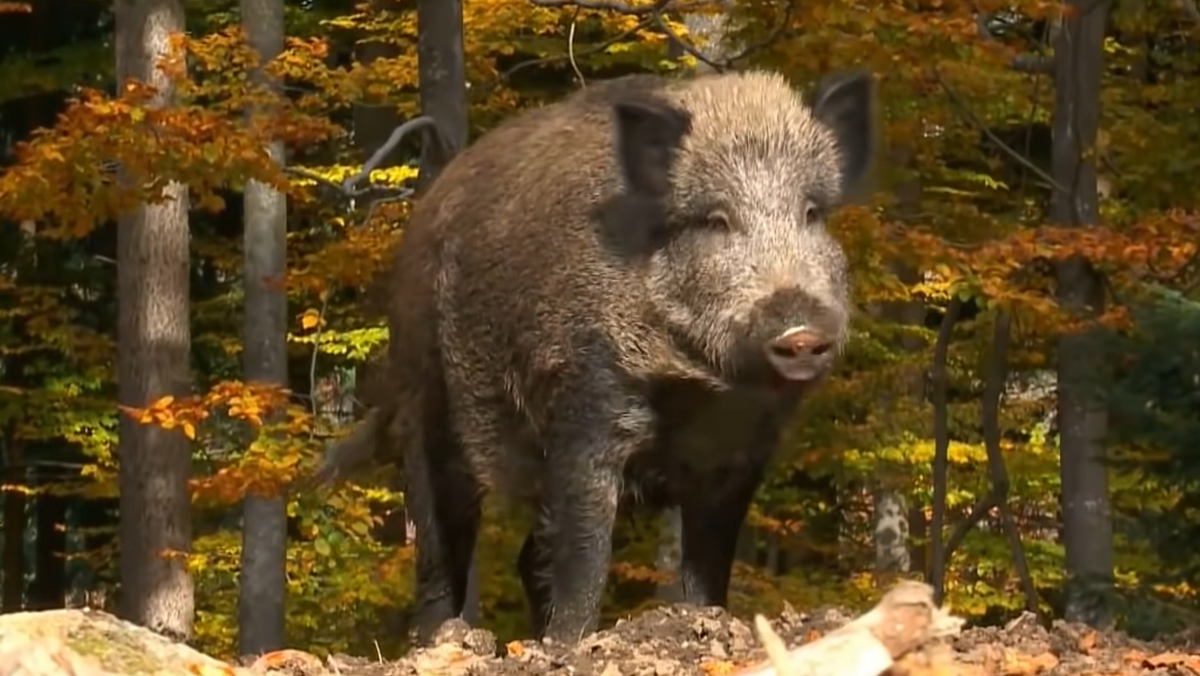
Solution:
(351, 452)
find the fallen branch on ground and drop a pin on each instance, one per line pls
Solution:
(904, 620)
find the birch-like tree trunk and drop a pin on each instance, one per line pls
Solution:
(153, 359)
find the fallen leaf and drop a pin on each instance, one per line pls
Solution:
(1028, 666)
(717, 667)
(1087, 642)
(514, 648)
(1167, 659)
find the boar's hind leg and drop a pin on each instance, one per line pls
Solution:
(443, 499)
(588, 445)
(712, 514)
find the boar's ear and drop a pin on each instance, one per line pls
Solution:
(647, 131)
(845, 102)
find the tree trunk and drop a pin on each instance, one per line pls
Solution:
(1082, 420)
(264, 360)
(48, 590)
(443, 87)
(890, 504)
(14, 526)
(154, 349)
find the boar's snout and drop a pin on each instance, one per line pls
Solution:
(800, 354)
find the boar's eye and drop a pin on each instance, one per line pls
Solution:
(813, 213)
(718, 219)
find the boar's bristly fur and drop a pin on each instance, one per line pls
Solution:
(623, 295)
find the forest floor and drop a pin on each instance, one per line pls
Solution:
(667, 641)
(677, 640)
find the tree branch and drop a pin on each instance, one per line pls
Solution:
(903, 621)
(726, 63)
(941, 444)
(609, 5)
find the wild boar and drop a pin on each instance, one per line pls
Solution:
(623, 295)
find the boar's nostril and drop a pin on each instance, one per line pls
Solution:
(799, 354)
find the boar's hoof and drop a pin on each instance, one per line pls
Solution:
(800, 354)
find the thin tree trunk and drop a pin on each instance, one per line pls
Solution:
(48, 590)
(1087, 522)
(443, 88)
(153, 360)
(264, 360)
(14, 525)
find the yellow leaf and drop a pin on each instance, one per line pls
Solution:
(310, 319)
(164, 402)
(189, 430)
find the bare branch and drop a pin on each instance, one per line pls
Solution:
(571, 49)
(433, 135)
(1032, 64)
(904, 620)
(997, 375)
(609, 5)
(941, 445)
(727, 63)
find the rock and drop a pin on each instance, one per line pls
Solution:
(84, 642)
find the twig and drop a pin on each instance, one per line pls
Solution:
(571, 49)
(312, 365)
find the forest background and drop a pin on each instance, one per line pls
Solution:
(1024, 267)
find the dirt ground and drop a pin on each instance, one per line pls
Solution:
(681, 640)
(669, 641)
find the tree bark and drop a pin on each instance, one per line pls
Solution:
(443, 87)
(264, 360)
(1082, 419)
(154, 349)
(48, 590)
(15, 474)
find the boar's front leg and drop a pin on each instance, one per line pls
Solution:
(711, 515)
(592, 436)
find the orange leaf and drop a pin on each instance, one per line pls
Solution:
(163, 402)
(514, 648)
(189, 430)
(717, 667)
